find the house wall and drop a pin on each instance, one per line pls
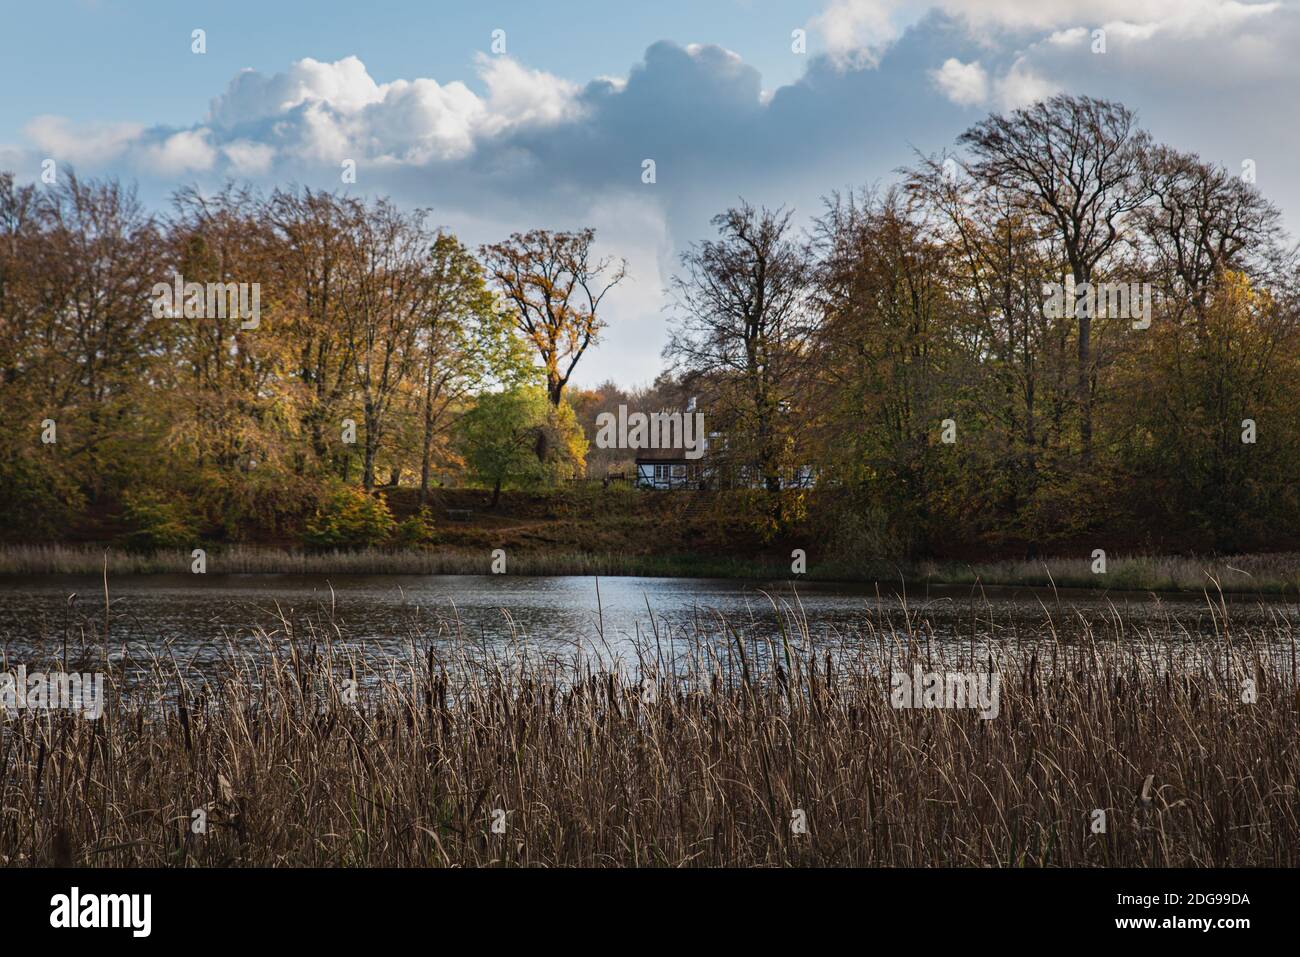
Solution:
(802, 477)
(646, 478)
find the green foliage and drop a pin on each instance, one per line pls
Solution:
(38, 489)
(418, 530)
(350, 518)
(157, 521)
(516, 438)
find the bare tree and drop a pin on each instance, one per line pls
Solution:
(744, 324)
(1201, 221)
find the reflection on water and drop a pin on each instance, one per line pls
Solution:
(382, 616)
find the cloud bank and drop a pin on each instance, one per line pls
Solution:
(509, 147)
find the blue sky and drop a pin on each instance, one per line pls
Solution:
(552, 131)
(109, 58)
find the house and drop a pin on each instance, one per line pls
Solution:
(667, 465)
(669, 469)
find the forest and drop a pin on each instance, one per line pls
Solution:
(898, 340)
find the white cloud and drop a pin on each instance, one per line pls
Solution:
(184, 152)
(344, 85)
(518, 96)
(1190, 15)
(416, 121)
(326, 112)
(855, 32)
(1021, 86)
(966, 84)
(247, 158)
(1068, 38)
(94, 144)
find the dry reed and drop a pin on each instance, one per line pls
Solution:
(696, 750)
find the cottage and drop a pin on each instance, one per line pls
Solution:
(669, 469)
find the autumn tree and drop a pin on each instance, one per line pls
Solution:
(310, 276)
(388, 292)
(1075, 164)
(891, 357)
(92, 339)
(555, 285)
(464, 343)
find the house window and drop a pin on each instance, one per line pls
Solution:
(679, 471)
(661, 473)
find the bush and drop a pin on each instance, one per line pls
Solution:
(349, 518)
(156, 522)
(43, 492)
(418, 530)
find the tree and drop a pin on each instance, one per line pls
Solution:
(308, 270)
(515, 437)
(891, 355)
(743, 322)
(91, 341)
(1201, 223)
(555, 289)
(1074, 163)
(465, 341)
(388, 295)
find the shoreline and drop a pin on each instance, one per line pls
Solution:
(1276, 576)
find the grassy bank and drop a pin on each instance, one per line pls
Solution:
(261, 560)
(695, 760)
(1245, 574)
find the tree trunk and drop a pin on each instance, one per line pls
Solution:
(426, 447)
(1085, 358)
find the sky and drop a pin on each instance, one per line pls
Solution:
(506, 116)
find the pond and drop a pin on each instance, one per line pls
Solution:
(382, 617)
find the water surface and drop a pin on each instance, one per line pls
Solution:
(197, 618)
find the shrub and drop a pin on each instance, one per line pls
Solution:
(155, 522)
(350, 518)
(417, 530)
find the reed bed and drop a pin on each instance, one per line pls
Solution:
(699, 749)
(1265, 574)
(263, 560)
(1254, 573)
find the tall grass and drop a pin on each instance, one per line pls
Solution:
(258, 560)
(691, 750)
(1276, 573)
(1250, 574)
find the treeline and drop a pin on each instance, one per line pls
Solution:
(236, 366)
(1061, 332)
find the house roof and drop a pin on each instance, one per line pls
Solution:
(665, 456)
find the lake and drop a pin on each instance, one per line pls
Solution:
(381, 617)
